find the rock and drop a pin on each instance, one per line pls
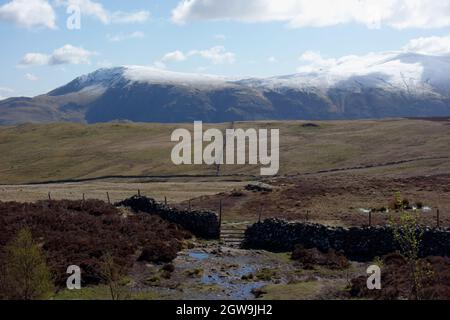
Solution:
(259, 187)
(310, 125)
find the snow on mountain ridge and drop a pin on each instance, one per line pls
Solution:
(391, 71)
(412, 72)
(153, 75)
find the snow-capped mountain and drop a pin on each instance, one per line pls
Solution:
(395, 84)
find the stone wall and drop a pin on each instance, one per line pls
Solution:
(204, 224)
(359, 244)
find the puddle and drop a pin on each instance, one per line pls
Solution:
(232, 282)
(199, 255)
(220, 272)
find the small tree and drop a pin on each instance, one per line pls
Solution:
(112, 275)
(27, 276)
(408, 235)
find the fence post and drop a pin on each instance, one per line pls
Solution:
(438, 218)
(165, 200)
(83, 198)
(220, 213)
(370, 218)
(107, 195)
(49, 196)
(139, 192)
(260, 214)
(307, 215)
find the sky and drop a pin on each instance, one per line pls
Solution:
(239, 38)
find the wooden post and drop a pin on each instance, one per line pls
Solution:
(260, 214)
(107, 195)
(139, 192)
(220, 213)
(165, 200)
(307, 215)
(438, 218)
(370, 218)
(49, 196)
(84, 198)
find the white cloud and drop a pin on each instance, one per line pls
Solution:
(376, 62)
(430, 45)
(33, 58)
(272, 60)
(175, 56)
(399, 14)
(5, 93)
(31, 77)
(29, 13)
(88, 7)
(125, 36)
(314, 61)
(217, 55)
(382, 68)
(67, 54)
(98, 11)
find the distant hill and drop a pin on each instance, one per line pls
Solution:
(59, 151)
(388, 85)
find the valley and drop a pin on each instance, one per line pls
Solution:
(331, 173)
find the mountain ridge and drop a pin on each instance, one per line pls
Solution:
(375, 86)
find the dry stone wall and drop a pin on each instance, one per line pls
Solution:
(204, 224)
(357, 243)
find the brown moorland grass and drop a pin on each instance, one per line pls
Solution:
(334, 199)
(82, 233)
(396, 280)
(35, 153)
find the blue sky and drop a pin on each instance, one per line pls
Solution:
(232, 38)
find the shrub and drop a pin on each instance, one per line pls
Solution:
(26, 275)
(82, 232)
(266, 274)
(396, 280)
(309, 258)
(168, 267)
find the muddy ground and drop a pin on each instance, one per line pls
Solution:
(211, 271)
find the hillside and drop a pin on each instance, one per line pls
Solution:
(48, 152)
(395, 84)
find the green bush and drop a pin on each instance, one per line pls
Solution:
(25, 272)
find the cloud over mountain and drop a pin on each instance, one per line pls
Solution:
(399, 14)
(429, 45)
(67, 54)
